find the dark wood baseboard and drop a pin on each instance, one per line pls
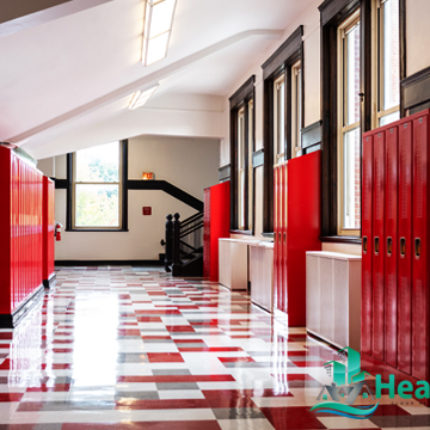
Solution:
(50, 282)
(108, 263)
(12, 320)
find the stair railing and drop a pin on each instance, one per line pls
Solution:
(183, 239)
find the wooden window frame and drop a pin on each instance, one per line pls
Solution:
(240, 100)
(332, 14)
(123, 194)
(280, 62)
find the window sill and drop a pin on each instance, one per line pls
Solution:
(97, 230)
(245, 232)
(356, 240)
(269, 235)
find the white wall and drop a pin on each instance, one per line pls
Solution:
(417, 35)
(190, 164)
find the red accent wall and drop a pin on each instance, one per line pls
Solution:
(216, 220)
(297, 230)
(21, 188)
(395, 326)
(48, 227)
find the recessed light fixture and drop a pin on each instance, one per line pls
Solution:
(139, 98)
(157, 29)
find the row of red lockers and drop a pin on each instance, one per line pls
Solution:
(26, 230)
(396, 235)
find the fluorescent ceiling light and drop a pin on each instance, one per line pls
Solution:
(139, 98)
(157, 30)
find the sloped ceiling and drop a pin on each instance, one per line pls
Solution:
(65, 82)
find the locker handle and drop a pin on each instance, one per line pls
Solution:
(376, 245)
(417, 247)
(364, 244)
(389, 246)
(285, 236)
(402, 247)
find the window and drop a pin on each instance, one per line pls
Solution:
(296, 109)
(279, 119)
(388, 61)
(349, 135)
(361, 69)
(241, 153)
(97, 188)
(241, 168)
(283, 113)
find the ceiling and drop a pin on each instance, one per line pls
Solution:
(65, 81)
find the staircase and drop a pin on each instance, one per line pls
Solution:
(184, 245)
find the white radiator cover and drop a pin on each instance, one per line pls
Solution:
(261, 274)
(333, 297)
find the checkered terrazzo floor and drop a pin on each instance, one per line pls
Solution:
(129, 348)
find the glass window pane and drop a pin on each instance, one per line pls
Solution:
(391, 117)
(281, 116)
(96, 205)
(351, 180)
(250, 169)
(390, 53)
(98, 163)
(352, 75)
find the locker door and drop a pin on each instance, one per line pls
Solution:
(285, 237)
(420, 253)
(366, 209)
(404, 248)
(206, 233)
(390, 255)
(276, 272)
(378, 244)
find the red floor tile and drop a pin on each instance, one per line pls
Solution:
(165, 357)
(292, 418)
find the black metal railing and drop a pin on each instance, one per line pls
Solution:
(183, 240)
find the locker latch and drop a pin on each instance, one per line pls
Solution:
(376, 245)
(389, 246)
(402, 247)
(417, 247)
(364, 244)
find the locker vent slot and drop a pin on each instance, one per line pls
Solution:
(376, 245)
(389, 246)
(417, 247)
(402, 247)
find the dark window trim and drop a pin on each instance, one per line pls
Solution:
(280, 61)
(124, 194)
(333, 13)
(224, 173)
(238, 100)
(415, 91)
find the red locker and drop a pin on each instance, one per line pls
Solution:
(48, 231)
(404, 250)
(420, 252)
(206, 232)
(366, 220)
(303, 229)
(217, 225)
(276, 247)
(284, 241)
(391, 244)
(378, 244)
(401, 219)
(297, 230)
(20, 235)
